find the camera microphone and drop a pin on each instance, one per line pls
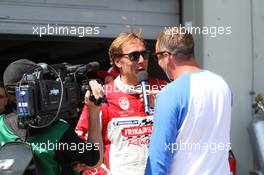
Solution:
(90, 67)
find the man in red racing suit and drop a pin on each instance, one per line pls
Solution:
(126, 128)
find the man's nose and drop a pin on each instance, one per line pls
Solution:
(141, 59)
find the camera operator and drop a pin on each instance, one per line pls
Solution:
(50, 158)
(3, 99)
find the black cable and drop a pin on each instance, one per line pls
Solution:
(59, 107)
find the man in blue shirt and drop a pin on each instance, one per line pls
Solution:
(192, 114)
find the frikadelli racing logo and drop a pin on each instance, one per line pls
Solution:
(137, 131)
(123, 103)
(138, 136)
(138, 141)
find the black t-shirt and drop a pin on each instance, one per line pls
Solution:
(87, 153)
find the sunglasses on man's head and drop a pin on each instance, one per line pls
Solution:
(134, 56)
(158, 55)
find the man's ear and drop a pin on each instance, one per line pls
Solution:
(167, 59)
(117, 62)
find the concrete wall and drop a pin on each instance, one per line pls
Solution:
(258, 43)
(230, 55)
(112, 17)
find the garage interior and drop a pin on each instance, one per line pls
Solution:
(55, 49)
(19, 17)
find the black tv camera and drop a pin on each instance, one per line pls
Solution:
(51, 92)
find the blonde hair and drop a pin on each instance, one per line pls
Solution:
(178, 41)
(115, 49)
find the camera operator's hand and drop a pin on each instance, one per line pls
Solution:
(93, 97)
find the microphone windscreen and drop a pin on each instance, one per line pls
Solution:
(93, 66)
(142, 76)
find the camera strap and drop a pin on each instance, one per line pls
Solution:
(11, 121)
